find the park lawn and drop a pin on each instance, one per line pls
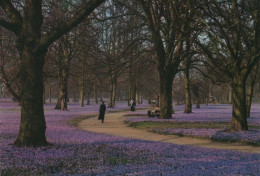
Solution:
(186, 125)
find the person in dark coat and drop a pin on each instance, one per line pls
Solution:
(102, 110)
(132, 104)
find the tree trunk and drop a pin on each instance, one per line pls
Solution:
(81, 91)
(114, 92)
(166, 109)
(81, 94)
(74, 98)
(50, 92)
(44, 97)
(249, 99)
(82, 80)
(198, 102)
(188, 104)
(95, 94)
(230, 95)
(250, 89)
(133, 93)
(141, 94)
(239, 118)
(33, 125)
(129, 93)
(130, 80)
(63, 94)
(63, 83)
(88, 96)
(110, 104)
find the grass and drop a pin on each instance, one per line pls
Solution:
(185, 125)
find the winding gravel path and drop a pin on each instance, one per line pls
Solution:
(114, 125)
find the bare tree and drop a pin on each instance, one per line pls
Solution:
(232, 46)
(168, 23)
(32, 45)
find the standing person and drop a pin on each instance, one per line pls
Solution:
(102, 110)
(131, 104)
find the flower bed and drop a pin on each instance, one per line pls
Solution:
(77, 152)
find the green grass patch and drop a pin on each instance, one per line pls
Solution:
(184, 125)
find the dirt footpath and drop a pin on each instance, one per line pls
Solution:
(114, 125)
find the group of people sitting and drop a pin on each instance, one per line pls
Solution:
(155, 112)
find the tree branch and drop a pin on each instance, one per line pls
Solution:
(9, 26)
(56, 33)
(6, 82)
(13, 14)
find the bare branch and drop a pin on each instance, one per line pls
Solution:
(13, 14)
(7, 84)
(9, 26)
(56, 33)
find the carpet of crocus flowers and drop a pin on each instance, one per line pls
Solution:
(77, 152)
(217, 113)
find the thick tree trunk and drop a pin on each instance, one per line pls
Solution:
(33, 125)
(32, 46)
(250, 89)
(188, 104)
(166, 109)
(239, 118)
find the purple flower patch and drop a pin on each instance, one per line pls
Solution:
(77, 152)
